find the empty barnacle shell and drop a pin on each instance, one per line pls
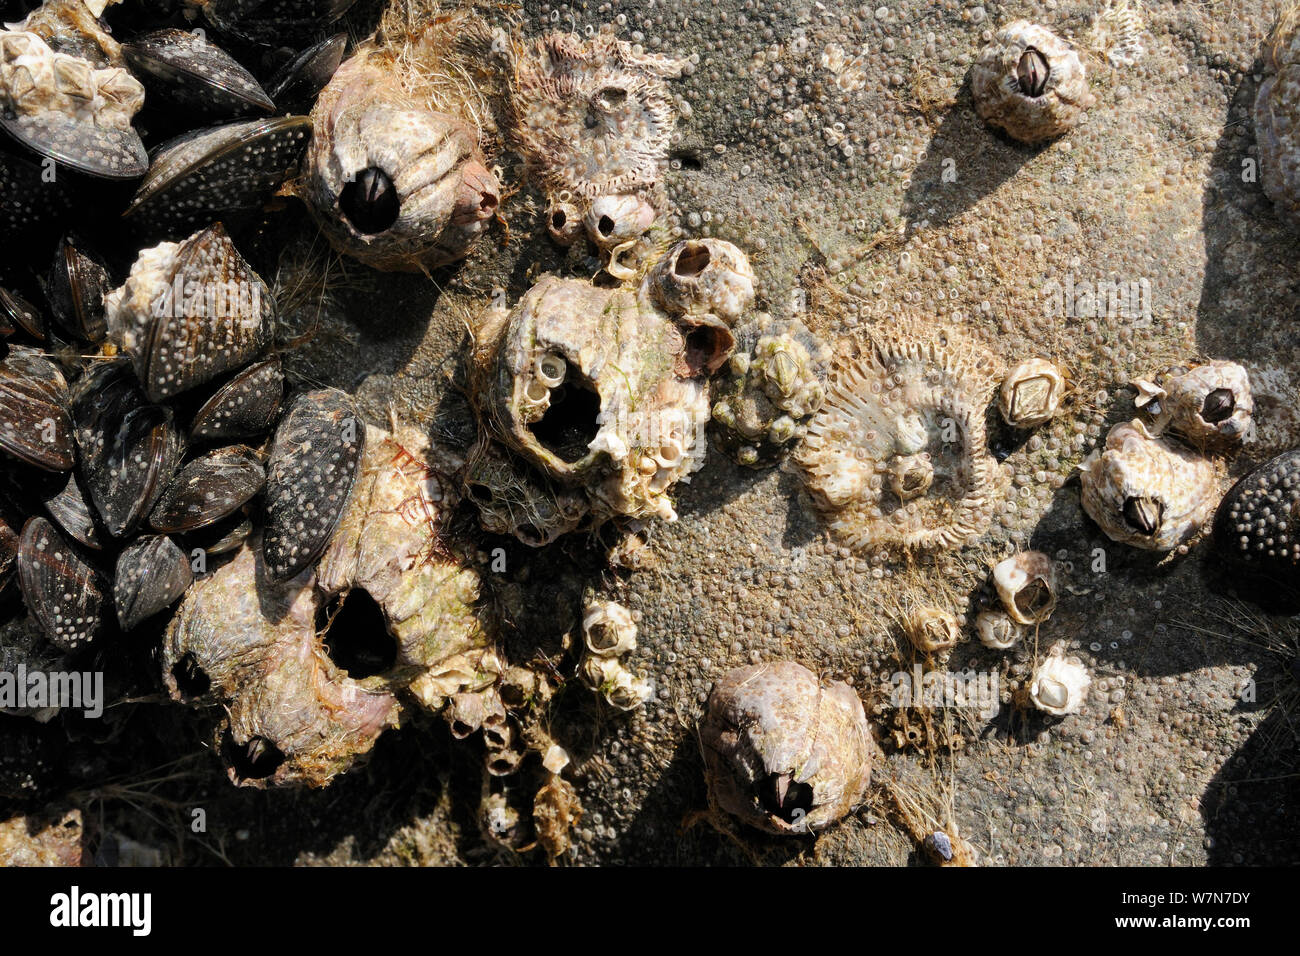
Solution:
(626, 691)
(389, 181)
(1145, 491)
(932, 630)
(152, 574)
(62, 590)
(62, 107)
(212, 174)
(245, 407)
(1256, 523)
(184, 69)
(190, 312)
(608, 629)
(1031, 393)
(996, 630)
(910, 391)
(1276, 130)
(77, 284)
(784, 752)
(514, 499)
(564, 222)
(613, 220)
(910, 476)
(207, 489)
(310, 474)
(296, 84)
(35, 426)
(139, 461)
(1209, 407)
(1030, 83)
(72, 512)
(1026, 583)
(709, 343)
(1060, 684)
(704, 276)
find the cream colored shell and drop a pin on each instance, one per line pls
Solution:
(1026, 583)
(1180, 405)
(1060, 684)
(35, 79)
(1031, 393)
(1001, 102)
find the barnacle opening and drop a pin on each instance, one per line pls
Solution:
(1034, 599)
(692, 260)
(191, 679)
(370, 201)
(785, 797)
(1218, 406)
(1144, 514)
(256, 759)
(707, 347)
(356, 635)
(569, 424)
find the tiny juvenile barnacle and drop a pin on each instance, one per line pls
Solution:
(1030, 83)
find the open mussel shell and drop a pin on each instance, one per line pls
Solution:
(34, 423)
(152, 574)
(296, 84)
(264, 21)
(72, 512)
(141, 459)
(313, 467)
(244, 407)
(209, 488)
(75, 288)
(33, 201)
(184, 69)
(62, 590)
(99, 401)
(210, 174)
(108, 152)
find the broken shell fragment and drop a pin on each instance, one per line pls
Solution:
(1060, 684)
(996, 630)
(1026, 583)
(1031, 393)
(932, 630)
(1145, 491)
(1030, 83)
(784, 752)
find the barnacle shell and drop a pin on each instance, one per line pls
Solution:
(773, 384)
(910, 391)
(608, 629)
(514, 499)
(254, 644)
(703, 276)
(996, 630)
(1257, 522)
(1145, 491)
(1209, 406)
(613, 220)
(932, 630)
(444, 194)
(1277, 130)
(1000, 98)
(63, 107)
(784, 752)
(1060, 684)
(1026, 583)
(1031, 393)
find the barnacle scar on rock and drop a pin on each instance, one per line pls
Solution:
(1210, 406)
(897, 454)
(311, 670)
(1060, 684)
(1030, 83)
(391, 176)
(1277, 109)
(1146, 491)
(783, 751)
(593, 119)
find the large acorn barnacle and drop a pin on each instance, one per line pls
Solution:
(1209, 407)
(1258, 522)
(897, 454)
(390, 181)
(1030, 83)
(1276, 129)
(784, 752)
(1145, 491)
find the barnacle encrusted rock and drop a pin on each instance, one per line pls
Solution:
(593, 119)
(391, 181)
(784, 752)
(897, 455)
(311, 670)
(515, 499)
(1146, 491)
(1030, 83)
(1258, 522)
(771, 387)
(1277, 118)
(63, 107)
(1209, 407)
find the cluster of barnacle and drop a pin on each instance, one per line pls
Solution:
(609, 633)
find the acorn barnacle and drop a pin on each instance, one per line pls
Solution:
(1026, 583)
(1276, 129)
(1210, 406)
(1060, 684)
(1030, 83)
(996, 630)
(1031, 393)
(932, 630)
(1145, 491)
(784, 752)
(897, 454)
(1257, 521)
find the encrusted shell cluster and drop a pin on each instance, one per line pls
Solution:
(608, 634)
(1030, 83)
(897, 455)
(1277, 118)
(773, 384)
(783, 751)
(1210, 406)
(1059, 685)
(1147, 491)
